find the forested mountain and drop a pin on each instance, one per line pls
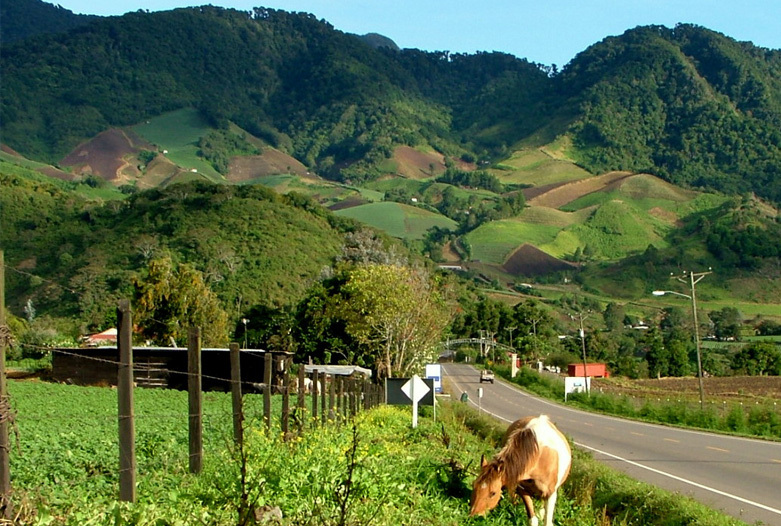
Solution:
(688, 104)
(25, 18)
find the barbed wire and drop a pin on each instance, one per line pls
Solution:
(137, 368)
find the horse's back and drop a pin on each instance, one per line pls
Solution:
(557, 459)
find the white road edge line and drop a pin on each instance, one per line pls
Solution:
(663, 473)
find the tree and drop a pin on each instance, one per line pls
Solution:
(614, 316)
(726, 323)
(758, 358)
(398, 312)
(678, 353)
(656, 354)
(171, 299)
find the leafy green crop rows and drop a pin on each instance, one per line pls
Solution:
(378, 471)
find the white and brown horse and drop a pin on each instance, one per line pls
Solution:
(534, 462)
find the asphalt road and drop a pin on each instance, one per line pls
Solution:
(741, 477)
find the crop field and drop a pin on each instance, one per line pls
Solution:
(748, 389)
(494, 241)
(536, 168)
(178, 132)
(398, 220)
(376, 470)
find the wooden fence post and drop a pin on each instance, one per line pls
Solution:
(238, 409)
(267, 370)
(286, 399)
(323, 413)
(195, 398)
(127, 431)
(301, 398)
(331, 396)
(5, 406)
(315, 394)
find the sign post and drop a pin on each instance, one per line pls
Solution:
(479, 400)
(415, 389)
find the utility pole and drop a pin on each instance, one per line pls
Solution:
(694, 278)
(691, 279)
(581, 317)
(511, 329)
(5, 406)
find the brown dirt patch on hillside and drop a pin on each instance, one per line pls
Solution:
(51, 171)
(528, 260)
(667, 216)
(270, 162)
(350, 202)
(415, 164)
(449, 253)
(10, 151)
(535, 191)
(104, 155)
(563, 194)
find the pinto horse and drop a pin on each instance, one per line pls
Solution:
(535, 461)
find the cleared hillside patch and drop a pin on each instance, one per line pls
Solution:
(178, 133)
(494, 241)
(417, 164)
(398, 220)
(106, 155)
(270, 162)
(561, 195)
(537, 168)
(529, 260)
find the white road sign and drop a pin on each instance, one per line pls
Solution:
(415, 389)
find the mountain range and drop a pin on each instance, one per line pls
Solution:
(649, 150)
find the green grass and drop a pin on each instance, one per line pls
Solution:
(178, 132)
(493, 242)
(397, 220)
(536, 168)
(64, 469)
(16, 166)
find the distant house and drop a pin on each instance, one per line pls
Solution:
(106, 337)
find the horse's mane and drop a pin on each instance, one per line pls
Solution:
(517, 454)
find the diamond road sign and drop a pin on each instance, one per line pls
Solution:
(415, 389)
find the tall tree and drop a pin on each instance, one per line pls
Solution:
(398, 311)
(172, 298)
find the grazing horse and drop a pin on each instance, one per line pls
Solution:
(535, 461)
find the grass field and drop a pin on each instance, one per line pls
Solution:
(375, 469)
(536, 168)
(398, 220)
(493, 242)
(178, 132)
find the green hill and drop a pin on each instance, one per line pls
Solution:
(687, 104)
(76, 257)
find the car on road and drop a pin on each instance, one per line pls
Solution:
(486, 375)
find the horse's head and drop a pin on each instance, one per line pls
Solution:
(487, 489)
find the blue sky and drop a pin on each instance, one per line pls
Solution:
(550, 32)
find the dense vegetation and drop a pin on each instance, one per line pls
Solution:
(687, 104)
(26, 18)
(377, 470)
(250, 245)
